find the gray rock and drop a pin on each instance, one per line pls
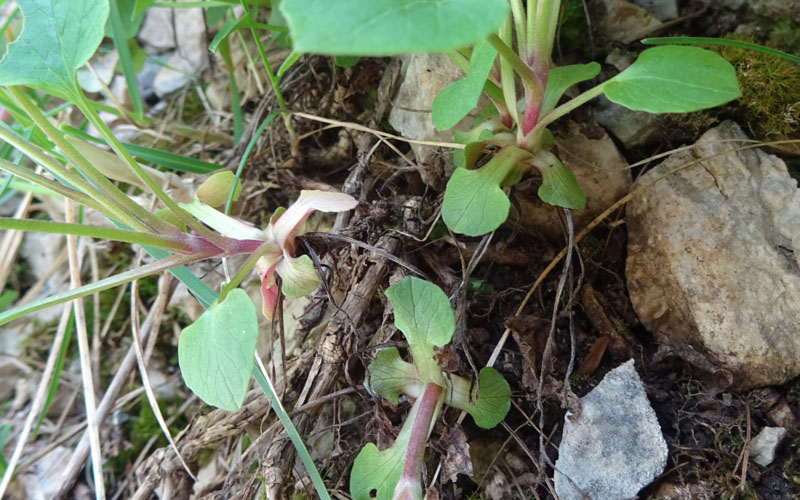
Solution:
(625, 22)
(424, 76)
(777, 9)
(763, 446)
(156, 32)
(714, 258)
(104, 65)
(147, 76)
(191, 53)
(614, 447)
(663, 10)
(633, 128)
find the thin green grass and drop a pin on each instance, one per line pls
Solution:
(125, 60)
(156, 156)
(695, 40)
(246, 155)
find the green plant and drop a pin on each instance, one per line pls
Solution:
(769, 80)
(473, 33)
(422, 312)
(179, 228)
(59, 36)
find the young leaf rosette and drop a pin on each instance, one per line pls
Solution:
(297, 274)
(423, 313)
(223, 339)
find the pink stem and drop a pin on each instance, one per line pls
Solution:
(530, 117)
(412, 466)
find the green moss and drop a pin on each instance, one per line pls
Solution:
(791, 467)
(580, 382)
(785, 36)
(192, 108)
(770, 88)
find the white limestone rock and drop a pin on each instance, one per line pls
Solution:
(614, 447)
(763, 446)
(714, 258)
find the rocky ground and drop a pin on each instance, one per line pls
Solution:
(673, 365)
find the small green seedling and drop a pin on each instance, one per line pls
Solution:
(223, 339)
(524, 88)
(423, 313)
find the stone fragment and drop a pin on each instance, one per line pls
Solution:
(424, 76)
(104, 66)
(191, 51)
(632, 128)
(714, 258)
(781, 415)
(614, 447)
(763, 446)
(777, 9)
(157, 33)
(600, 169)
(625, 22)
(43, 479)
(663, 10)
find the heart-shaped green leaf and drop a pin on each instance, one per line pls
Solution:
(488, 405)
(674, 79)
(560, 78)
(459, 98)
(386, 27)
(474, 203)
(58, 37)
(390, 376)
(422, 312)
(215, 352)
(559, 185)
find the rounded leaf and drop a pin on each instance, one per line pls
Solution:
(474, 202)
(215, 352)
(390, 376)
(488, 401)
(422, 311)
(386, 27)
(674, 79)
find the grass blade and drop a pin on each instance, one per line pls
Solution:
(163, 158)
(125, 60)
(99, 286)
(266, 385)
(105, 233)
(698, 40)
